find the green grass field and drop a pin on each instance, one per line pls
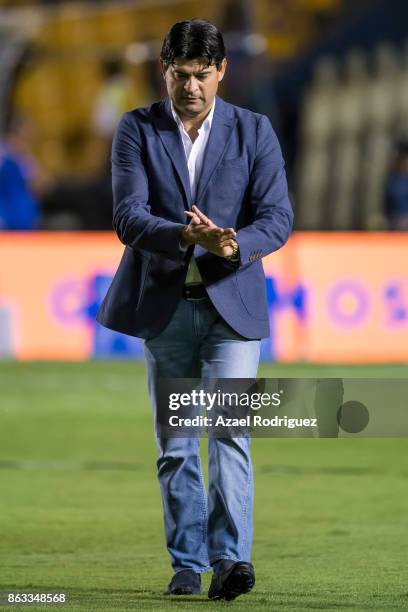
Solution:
(81, 511)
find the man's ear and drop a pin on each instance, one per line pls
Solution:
(222, 69)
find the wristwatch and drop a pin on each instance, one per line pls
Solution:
(234, 257)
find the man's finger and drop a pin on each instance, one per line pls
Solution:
(202, 216)
(208, 224)
(228, 232)
(194, 219)
(198, 211)
(211, 231)
(191, 214)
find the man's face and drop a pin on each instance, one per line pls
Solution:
(192, 85)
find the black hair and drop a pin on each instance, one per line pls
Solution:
(192, 39)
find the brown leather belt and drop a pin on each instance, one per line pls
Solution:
(194, 292)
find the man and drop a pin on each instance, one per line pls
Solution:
(200, 196)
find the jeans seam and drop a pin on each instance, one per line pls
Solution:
(245, 504)
(204, 517)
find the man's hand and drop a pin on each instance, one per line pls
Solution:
(201, 230)
(199, 216)
(190, 232)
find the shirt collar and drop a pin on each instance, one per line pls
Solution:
(206, 123)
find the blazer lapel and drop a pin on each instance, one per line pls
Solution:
(171, 139)
(221, 131)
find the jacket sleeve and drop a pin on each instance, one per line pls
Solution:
(268, 193)
(132, 219)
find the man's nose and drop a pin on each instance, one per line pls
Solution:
(191, 85)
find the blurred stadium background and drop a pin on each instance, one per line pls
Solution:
(332, 75)
(80, 506)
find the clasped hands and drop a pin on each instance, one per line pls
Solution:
(201, 230)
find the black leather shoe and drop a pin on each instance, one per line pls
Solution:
(184, 582)
(232, 579)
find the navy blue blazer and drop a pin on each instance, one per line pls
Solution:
(242, 185)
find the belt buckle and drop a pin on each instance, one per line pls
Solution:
(189, 292)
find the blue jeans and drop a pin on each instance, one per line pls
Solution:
(200, 529)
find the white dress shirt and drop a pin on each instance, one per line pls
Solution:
(194, 152)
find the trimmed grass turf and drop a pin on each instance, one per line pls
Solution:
(80, 509)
